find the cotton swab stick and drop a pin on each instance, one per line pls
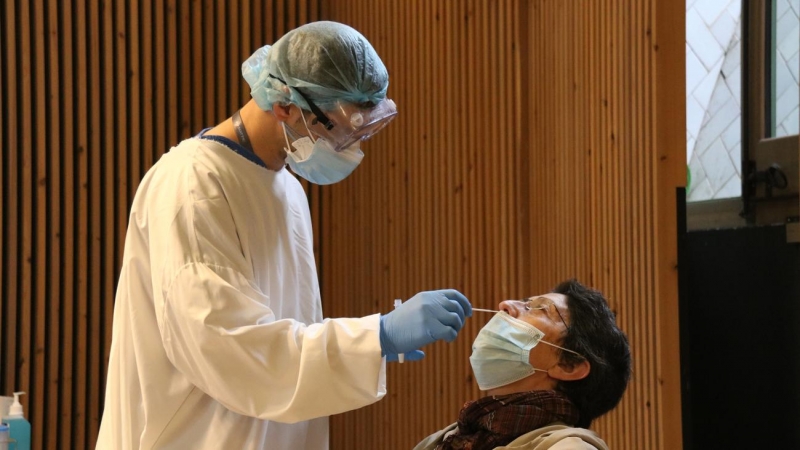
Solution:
(485, 310)
(401, 357)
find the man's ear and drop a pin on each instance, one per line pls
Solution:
(571, 372)
(286, 113)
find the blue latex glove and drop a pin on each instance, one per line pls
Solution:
(425, 318)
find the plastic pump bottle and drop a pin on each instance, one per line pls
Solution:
(19, 428)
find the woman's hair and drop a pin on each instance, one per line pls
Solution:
(593, 333)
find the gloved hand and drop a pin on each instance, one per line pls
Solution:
(425, 318)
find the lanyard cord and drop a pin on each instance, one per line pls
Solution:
(241, 132)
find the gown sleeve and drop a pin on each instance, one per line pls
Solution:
(219, 332)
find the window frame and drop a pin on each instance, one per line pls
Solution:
(760, 150)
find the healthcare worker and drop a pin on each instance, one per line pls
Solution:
(218, 338)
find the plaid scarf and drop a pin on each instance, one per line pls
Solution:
(497, 420)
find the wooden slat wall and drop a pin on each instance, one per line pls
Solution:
(537, 140)
(92, 93)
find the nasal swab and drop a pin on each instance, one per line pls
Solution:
(485, 310)
(401, 357)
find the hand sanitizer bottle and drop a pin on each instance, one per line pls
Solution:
(19, 428)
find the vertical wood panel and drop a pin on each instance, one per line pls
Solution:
(219, 36)
(244, 50)
(3, 202)
(173, 87)
(39, 271)
(54, 256)
(134, 77)
(25, 320)
(95, 150)
(669, 62)
(81, 380)
(91, 95)
(120, 143)
(108, 162)
(536, 141)
(11, 222)
(194, 58)
(207, 33)
(68, 260)
(147, 56)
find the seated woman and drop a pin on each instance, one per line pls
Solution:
(549, 366)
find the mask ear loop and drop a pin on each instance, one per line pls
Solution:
(286, 138)
(562, 348)
(310, 134)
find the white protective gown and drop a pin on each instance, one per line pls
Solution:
(218, 338)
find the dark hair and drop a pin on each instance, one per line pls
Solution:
(594, 334)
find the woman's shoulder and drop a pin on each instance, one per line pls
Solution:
(432, 441)
(558, 437)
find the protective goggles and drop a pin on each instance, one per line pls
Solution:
(347, 123)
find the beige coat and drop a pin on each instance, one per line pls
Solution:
(552, 437)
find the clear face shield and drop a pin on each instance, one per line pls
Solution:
(346, 123)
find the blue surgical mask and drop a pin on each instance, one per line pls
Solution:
(318, 162)
(501, 352)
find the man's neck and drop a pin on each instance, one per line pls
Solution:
(264, 131)
(535, 382)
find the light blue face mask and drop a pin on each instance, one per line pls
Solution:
(501, 352)
(318, 162)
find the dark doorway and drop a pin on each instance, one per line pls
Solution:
(740, 329)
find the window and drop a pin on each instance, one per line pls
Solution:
(713, 99)
(742, 111)
(784, 50)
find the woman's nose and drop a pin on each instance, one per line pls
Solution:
(512, 307)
